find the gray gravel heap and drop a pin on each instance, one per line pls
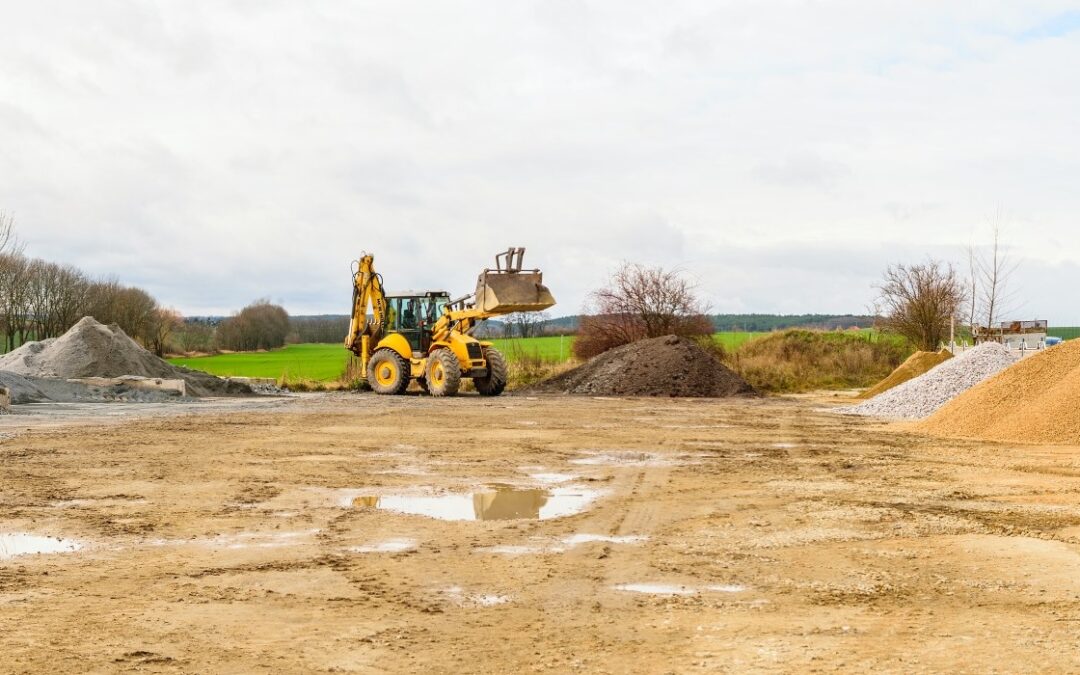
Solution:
(28, 389)
(922, 396)
(91, 349)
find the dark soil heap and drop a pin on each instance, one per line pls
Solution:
(663, 366)
(91, 349)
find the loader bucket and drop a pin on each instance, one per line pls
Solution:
(502, 292)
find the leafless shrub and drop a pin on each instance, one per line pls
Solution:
(989, 295)
(641, 302)
(919, 301)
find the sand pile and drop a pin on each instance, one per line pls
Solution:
(91, 349)
(919, 397)
(663, 366)
(916, 364)
(1035, 401)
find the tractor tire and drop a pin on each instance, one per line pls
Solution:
(388, 373)
(443, 373)
(494, 382)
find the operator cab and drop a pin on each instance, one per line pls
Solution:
(413, 313)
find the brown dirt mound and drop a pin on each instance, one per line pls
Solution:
(663, 366)
(1031, 402)
(916, 364)
(91, 349)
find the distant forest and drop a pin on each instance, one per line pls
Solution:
(755, 323)
(332, 328)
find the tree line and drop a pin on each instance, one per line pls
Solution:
(40, 299)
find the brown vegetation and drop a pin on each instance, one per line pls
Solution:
(802, 360)
(640, 302)
(920, 301)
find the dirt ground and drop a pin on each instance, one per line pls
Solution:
(769, 536)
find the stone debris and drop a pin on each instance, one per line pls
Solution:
(1035, 401)
(920, 397)
(40, 371)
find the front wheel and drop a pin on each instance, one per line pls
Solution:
(388, 373)
(443, 373)
(494, 382)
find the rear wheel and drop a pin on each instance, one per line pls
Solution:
(388, 373)
(443, 373)
(494, 382)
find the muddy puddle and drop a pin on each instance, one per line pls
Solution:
(244, 540)
(676, 589)
(495, 502)
(458, 596)
(388, 546)
(17, 544)
(562, 544)
(634, 458)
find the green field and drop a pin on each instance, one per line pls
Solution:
(730, 340)
(326, 362)
(550, 348)
(320, 362)
(1069, 333)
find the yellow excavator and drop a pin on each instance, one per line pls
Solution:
(427, 337)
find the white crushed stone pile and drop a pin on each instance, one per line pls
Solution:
(922, 396)
(91, 349)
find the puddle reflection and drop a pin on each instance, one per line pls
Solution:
(12, 545)
(497, 502)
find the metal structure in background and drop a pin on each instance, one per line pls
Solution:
(1023, 336)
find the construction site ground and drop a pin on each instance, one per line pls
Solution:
(725, 535)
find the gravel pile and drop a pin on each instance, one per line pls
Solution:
(663, 366)
(43, 390)
(91, 349)
(916, 364)
(920, 397)
(1035, 401)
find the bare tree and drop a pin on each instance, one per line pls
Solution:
(525, 324)
(641, 302)
(194, 336)
(972, 290)
(9, 243)
(919, 301)
(14, 297)
(42, 281)
(69, 300)
(996, 269)
(163, 322)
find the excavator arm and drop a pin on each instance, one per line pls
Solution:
(367, 291)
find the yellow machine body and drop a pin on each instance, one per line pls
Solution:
(427, 338)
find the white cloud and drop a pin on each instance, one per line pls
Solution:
(781, 152)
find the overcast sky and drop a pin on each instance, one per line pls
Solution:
(782, 153)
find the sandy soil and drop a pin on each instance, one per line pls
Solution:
(782, 538)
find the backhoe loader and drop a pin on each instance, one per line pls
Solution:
(427, 337)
